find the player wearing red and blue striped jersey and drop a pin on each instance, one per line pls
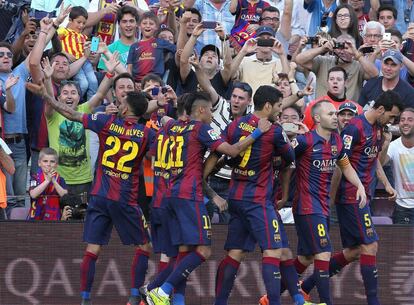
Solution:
(190, 223)
(253, 217)
(317, 154)
(362, 139)
(113, 201)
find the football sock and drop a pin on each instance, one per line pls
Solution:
(370, 277)
(87, 273)
(271, 278)
(290, 280)
(138, 270)
(321, 274)
(226, 274)
(166, 270)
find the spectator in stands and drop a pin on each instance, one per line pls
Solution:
(6, 166)
(344, 55)
(281, 25)
(363, 18)
(248, 14)
(73, 41)
(213, 10)
(298, 25)
(372, 33)
(336, 94)
(127, 19)
(15, 127)
(405, 14)
(261, 68)
(345, 21)
(321, 11)
(69, 138)
(46, 188)
(209, 61)
(387, 16)
(188, 21)
(401, 155)
(346, 112)
(147, 55)
(392, 63)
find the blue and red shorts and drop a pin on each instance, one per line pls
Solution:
(189, 222)
(355, 225)
(313, 234)
(160, 232)
(102, 214)
(252, 223)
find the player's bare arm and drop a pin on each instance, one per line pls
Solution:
(351, 175)
(235, 149)
(387, 185)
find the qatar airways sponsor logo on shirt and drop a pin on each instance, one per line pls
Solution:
(371, 151)
(325, 165)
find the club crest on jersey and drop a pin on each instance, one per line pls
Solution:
(323, 242)
(334, 149)
(94, 117)
(294, 143)
(277, 237)
(154, 45)
(214, 135)
(347, 141)
(379, 134)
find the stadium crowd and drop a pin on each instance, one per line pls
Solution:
(301, 77)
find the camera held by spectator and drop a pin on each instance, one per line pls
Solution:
(73, 207)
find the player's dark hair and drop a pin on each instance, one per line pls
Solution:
(338, 69)
(396, 33)
(69, 83)
(271, 9)
(4, 44)
(78, 11)
(194, 11)
(151, 77)
(317, 106)
(195, 99)
(387, 8)
(181, 102)
(54, 55)
(122, 75)
(48, 151)
(126, 9)
(137, 102)
(388, 99)
(266, 94)
(150, 15)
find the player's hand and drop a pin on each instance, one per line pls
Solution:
(264, 125)
(111, 109)
(66, 213)
(220, 202)
(391, 191)
(361, 196)
(281, 203)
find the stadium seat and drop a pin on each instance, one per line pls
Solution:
(381, 220)
(19, 213)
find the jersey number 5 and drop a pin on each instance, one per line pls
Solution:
(115, 146)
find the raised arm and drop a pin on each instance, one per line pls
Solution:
(286, 22)
(248, 47)
(95, 17)
(203, 80)
(106, 83)
(10, 105)
(368, 66)
(182, 33)
(305, 58)
(233, 6)
(185, 66)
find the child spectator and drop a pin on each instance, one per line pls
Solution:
(147, 55)
(73, 44)
(46, 188)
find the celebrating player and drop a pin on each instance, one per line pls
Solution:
(362, 140)
(113, 200)
(317, 154)
(190, 224)
(253, 218)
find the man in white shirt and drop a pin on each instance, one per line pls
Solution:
(401, 155)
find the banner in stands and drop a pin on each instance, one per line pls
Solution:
(40, 266)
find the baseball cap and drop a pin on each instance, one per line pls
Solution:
(210, 47)
(348, 106)
(265, 30)
(394, 55)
